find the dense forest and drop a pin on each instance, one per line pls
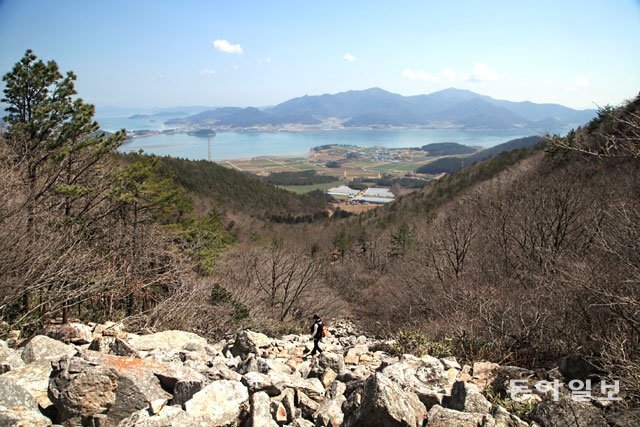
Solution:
(522, 257)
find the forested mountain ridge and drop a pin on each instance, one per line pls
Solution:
(228, 189)
(452, 163)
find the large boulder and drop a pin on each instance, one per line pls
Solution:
(261, 411)
(41, 347)
(332, 361)
(484, 373)
(166, 341)
(220, 403)
(34, 378)
(312, 387)
(80, 390)
(21, 417)
(13, 395)
(503, 418)
(423, 376)
(442, 417)
(306, 405)
(112, 345)
(9, 359)
(257, 382)
(69, 333)
(168, 374)
(169, 416)
(330, 411)
(249, 342)
(136, 382)
(565, 412)
(385, 404)
(466, 397)
(184, 391)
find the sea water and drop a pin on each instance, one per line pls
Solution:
(248, 144)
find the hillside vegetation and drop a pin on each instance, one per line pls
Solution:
(228, 189)
(522, 258)
(526, 257)
(453, 163)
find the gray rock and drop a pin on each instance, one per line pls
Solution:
(20, 417)
(112, 345)
(166, 341)
(257, 382)
(157, 405)
(385, 403)
(13, 395)
(566, 412)
(311, 387)
(260, 415)
(9, 359)
(306, 405)
(484, 372)
(288, 400)
(170, 374)
(169, 416)
(301, 422)
(137, 384)
(450, 363)
(249, 342)
(441, 417)
(466, 397)
(184, 390)
(80, 389)
(332, 361)
(34, 378)
(220, 403)
(425, 377)
(330, 411)
(503, 418)
(250, 364)
(42, 347)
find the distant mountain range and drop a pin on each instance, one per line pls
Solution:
(377, 108)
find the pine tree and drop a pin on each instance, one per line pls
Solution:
(54, 141)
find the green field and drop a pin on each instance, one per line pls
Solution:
(302, 189)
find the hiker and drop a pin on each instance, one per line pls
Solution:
(317, 333)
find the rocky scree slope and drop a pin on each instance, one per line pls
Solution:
(100, 375)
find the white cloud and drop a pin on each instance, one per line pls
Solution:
(419, 75)
(449, 74)
(268, 59)
(582, 81)
(225, 46)
(349, 57)
(482, 73)
(207, 72)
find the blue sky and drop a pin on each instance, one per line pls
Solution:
(164, 53)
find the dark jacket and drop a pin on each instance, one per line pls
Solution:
(316, 329)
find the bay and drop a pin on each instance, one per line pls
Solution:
(226, 145)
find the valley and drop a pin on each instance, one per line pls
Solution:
(342, 161)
